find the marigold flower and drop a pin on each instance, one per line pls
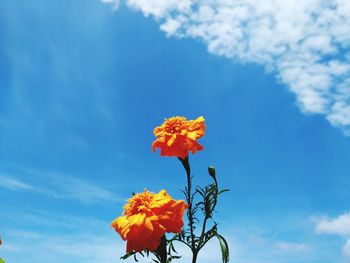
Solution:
(146, 218)
(177, 136)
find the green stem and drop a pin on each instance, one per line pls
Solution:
(187, 167)
(161, 252)
(194, 258)
(202, 234)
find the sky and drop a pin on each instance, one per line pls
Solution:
(83, 83)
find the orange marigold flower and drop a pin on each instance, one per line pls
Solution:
(177, 136)
(146, 218)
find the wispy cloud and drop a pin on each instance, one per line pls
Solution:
(60, 187)
(9, 183)
(115, 3)
(52, 220)
(63, 187)
(346, 248)
(337, 226)
(52, 236)
(292, 247)
(251, 245)
(305, 42)
(31, 246)
(96, 246)
(67, 238)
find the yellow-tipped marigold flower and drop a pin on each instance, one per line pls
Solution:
(177, 136)
(146, 218)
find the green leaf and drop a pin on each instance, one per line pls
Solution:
(224, 248)
(170, 259)
(223, 191)
(2, 261)
(126, 255)
(173, 248)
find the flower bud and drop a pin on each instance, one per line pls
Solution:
(211, 171)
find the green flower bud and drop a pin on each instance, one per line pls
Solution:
(211, 171)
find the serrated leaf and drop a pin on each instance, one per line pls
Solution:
(224, 248)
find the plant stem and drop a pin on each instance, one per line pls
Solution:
(202, 234)
(161, 252)
(187, 167)
(207, 215)
(194, 258)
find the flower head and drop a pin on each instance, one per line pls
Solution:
(146, 218)
(177, 136)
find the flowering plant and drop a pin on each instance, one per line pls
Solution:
(148, 216)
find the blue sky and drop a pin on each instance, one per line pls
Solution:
(83, 84)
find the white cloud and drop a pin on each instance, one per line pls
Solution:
(302, 41)
(292, 247)
(159, 8)
(338, 226)
(115, 3)
(59, 186)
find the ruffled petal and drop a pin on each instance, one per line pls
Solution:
(121, 225)
(148, 216)
(177, 136)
